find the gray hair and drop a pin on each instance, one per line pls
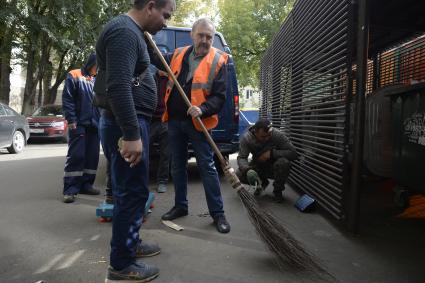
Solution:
(202, 22)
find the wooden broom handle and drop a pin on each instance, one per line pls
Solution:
(223, 161)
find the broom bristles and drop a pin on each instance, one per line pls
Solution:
(288, 251)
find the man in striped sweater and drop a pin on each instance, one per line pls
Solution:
(126, 90)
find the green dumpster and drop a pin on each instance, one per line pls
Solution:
(408, 117)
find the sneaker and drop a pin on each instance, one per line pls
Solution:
(162, 188)
(221, 224)
(137, 272)
(68, 198)
(146, 250)
(90, 191)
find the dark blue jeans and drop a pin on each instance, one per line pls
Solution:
(179, 134)
(130, 191)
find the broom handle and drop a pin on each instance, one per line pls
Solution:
(223, 161)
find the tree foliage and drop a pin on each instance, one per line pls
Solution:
(50, 37)
(249, 27)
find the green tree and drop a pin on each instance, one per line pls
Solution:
(57, 36)
(187, 11)
(249, 27)
(7, 33)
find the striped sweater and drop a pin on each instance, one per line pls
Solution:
(122, 54)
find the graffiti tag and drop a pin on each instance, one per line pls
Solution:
(414, 128)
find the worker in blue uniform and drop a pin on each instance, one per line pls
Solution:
(83, 145)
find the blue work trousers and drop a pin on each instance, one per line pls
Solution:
(180, 132)
(82, 159)
(130, 192)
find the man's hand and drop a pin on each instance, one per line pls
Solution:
(72, 126)
(131, 151)
(264, 156)
(194, 111)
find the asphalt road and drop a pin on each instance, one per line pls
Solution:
(42, 238)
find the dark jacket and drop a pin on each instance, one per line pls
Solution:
(177, 109)
(77, 96)
(279, 145)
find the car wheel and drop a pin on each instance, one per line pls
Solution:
(18, 142)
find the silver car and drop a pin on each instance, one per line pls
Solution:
(14, 130)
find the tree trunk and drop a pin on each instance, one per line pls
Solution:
(5, 69)
(40, 92)
(60, 77)
(31, 82)
(47, 82)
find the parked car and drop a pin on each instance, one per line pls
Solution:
(14, 130)
(226, 134)
(48, 122)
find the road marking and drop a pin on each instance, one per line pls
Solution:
(95, 238)
(77, 241)
(50, 264)
(70, 261)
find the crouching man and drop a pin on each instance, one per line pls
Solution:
(272, 153)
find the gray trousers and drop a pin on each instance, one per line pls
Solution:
(278, 170)
(159, 135)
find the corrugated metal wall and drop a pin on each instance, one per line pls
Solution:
(305, 91)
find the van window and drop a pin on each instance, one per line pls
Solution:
(2, 112)
(183, 38)
(164, 39)
(217, 43)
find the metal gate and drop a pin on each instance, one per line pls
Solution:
(306, 91)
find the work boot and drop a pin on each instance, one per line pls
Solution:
(260, 189)
(221, 223)
(162, 188)
(174, 213)
(109, 199)
(278, 196)
(89, 190)
(68, 198)
(136, 272)
(146, 249)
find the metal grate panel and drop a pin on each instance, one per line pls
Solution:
(304, 83)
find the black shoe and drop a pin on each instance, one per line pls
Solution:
(68, 198)
(90, 191)
(109, 199)
(278, 196)
(221, 224)
(137, 272)
(264, 183)
(258, 191)
(174, 213)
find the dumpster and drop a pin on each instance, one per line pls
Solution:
(408, 117)
(247, 118)
(378, 138)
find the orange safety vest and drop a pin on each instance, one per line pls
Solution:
(203, 78)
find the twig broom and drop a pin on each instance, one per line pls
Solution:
(279, 241)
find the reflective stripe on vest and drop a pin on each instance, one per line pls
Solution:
(203, 78)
